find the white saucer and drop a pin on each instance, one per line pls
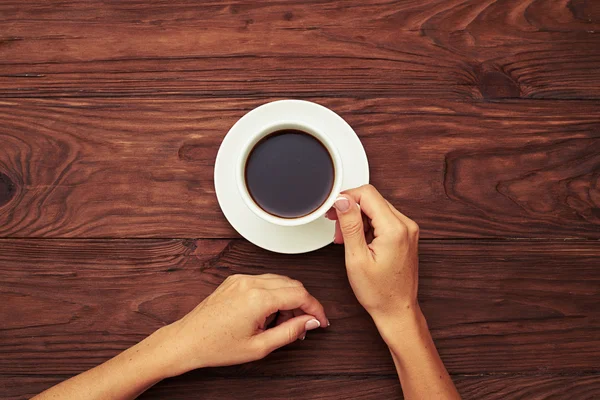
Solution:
(285, 239)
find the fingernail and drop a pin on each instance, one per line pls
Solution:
(341, 204)
(303, 336)
(328, 323)
(312, 324)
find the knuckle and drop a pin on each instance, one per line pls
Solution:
(296, 283)
(292, 335)
(370, 189)
(402, 231)
(243, 283)
(299, 292)
(413, 228)
(303, 293)
(399, 233)
(255, 295)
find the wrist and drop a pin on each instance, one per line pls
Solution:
(401, 327)
(171, 345)
(157, 361)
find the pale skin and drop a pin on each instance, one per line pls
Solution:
(230, 326)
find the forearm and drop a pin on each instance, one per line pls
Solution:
(123, 377)
(420, 369)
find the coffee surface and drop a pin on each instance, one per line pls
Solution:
(289, 173)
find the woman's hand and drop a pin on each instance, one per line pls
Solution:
(382, 264)
(230, 326)
(381, 251)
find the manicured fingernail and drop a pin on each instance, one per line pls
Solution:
(312, 324)
(303, 336)
(328, 323)
(341, 204)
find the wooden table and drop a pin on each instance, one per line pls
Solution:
(481, 121)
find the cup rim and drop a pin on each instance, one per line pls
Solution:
(267, 130)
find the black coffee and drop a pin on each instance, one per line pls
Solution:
(289, 173)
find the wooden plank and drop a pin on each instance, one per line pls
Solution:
(492, 306)
(440, 48)
(351, 388)
(102, 168)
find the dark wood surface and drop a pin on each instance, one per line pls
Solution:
(431, 48)
(493, 307)
(536, 387)
(109, 167)
(481, 120)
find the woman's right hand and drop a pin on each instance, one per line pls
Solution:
(382, 263)
(381, 247)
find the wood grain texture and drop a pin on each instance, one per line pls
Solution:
(492, 306)
(373, 388)
(336, 388)
(442, 48)
(102, 168)
(481, 120)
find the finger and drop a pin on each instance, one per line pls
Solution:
(297, 313)
(338, 238)
(330, 214)
(375, 207)
(286, 333)
(397, 213)
(352, 228)
(410, 224)
(298, 297)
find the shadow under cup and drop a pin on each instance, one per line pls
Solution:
(289, 174)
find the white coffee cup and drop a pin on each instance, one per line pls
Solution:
(262, 132)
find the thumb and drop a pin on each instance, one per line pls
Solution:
(351, 225)
(287, 332)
